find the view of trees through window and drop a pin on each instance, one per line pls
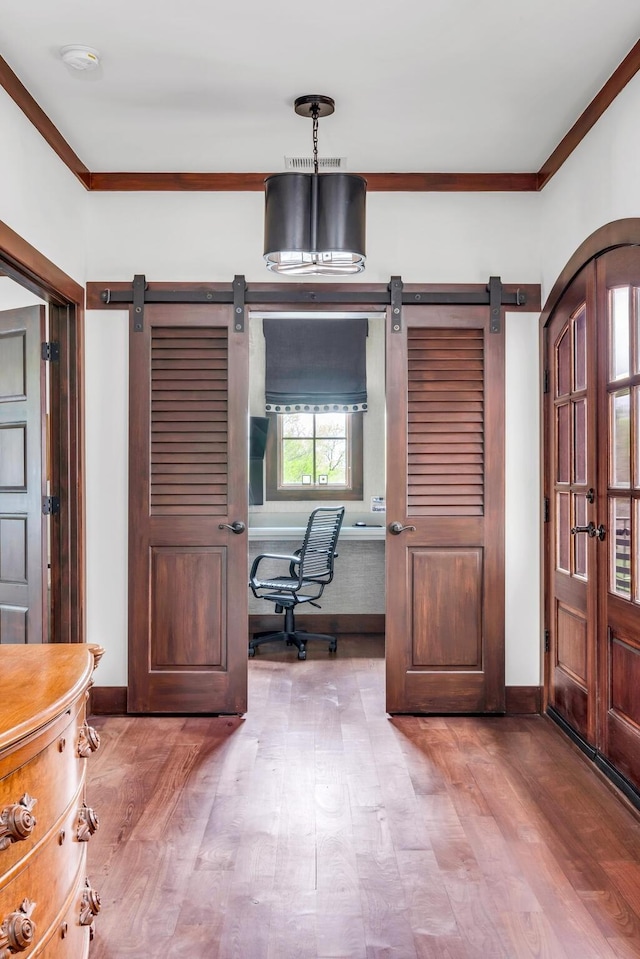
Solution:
(314, 449)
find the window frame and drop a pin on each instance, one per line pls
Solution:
(276, 493)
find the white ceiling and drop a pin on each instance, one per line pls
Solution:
(420, 85)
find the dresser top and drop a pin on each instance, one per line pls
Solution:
(39, 682)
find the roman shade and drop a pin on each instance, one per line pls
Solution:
(315, 366)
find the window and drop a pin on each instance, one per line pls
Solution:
(314, 456)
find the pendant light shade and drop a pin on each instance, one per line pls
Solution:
(315, 222)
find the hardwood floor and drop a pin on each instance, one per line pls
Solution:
(318, 827)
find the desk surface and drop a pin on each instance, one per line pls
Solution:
(297, 532)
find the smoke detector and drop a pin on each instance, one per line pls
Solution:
(80, 57)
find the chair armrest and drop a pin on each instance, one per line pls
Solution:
(277, 556)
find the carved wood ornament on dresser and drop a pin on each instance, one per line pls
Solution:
(47, 903)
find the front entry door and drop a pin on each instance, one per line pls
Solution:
(445, 510)
(618, 509)
(188, 512)
(22, 566)
(593, 482)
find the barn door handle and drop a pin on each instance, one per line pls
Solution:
(397, 528)
(237, 527)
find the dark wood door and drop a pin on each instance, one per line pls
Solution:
(22, 564)
(618, 508)
(572, 552)
(445, 485)
(188, 484)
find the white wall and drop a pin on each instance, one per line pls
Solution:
(39, 198)
(107, 490)
(598, 184)
(13, 296)
(523, 501)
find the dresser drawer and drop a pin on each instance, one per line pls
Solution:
(68, 939)
(51, 777)
(46, 875)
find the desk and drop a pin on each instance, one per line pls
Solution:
(358, 585)
(296, 533)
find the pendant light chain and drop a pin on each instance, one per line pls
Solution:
(314, 113)
(315, 223)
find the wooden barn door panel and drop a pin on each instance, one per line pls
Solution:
(188, 484)
(445, 486)
(22, 565)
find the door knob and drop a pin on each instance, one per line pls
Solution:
(236, 527)
(397, 528)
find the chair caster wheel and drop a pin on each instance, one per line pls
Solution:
(333, 647)
(302, 654)
(252, 652)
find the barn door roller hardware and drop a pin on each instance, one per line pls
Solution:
(239, 295)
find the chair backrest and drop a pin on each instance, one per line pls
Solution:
(319, 546)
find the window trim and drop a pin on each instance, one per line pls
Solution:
(274, 493)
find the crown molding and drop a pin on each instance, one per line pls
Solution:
(383, 182)
(380, 182)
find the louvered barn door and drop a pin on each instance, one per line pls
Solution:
(188, 485)
(445, 513)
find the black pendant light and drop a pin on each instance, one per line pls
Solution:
(315, 222)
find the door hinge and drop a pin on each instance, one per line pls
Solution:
(50, 505)
(50, 351)
(545, 381)
(547, 640)
(545, 509)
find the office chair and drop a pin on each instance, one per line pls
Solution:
(310, 570)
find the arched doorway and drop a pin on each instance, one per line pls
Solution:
(592, 489)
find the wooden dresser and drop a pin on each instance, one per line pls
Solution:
(47, 904)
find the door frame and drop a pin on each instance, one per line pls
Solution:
(29, 268)
(618, 233)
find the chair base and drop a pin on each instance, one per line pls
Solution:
(298, 638)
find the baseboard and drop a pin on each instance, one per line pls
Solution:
(628, 790)
(322, 623)
(107, 701)
(519, 700)
(523, 700)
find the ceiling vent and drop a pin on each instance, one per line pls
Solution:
(305, 164)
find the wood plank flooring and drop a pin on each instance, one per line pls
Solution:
(318, 828)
